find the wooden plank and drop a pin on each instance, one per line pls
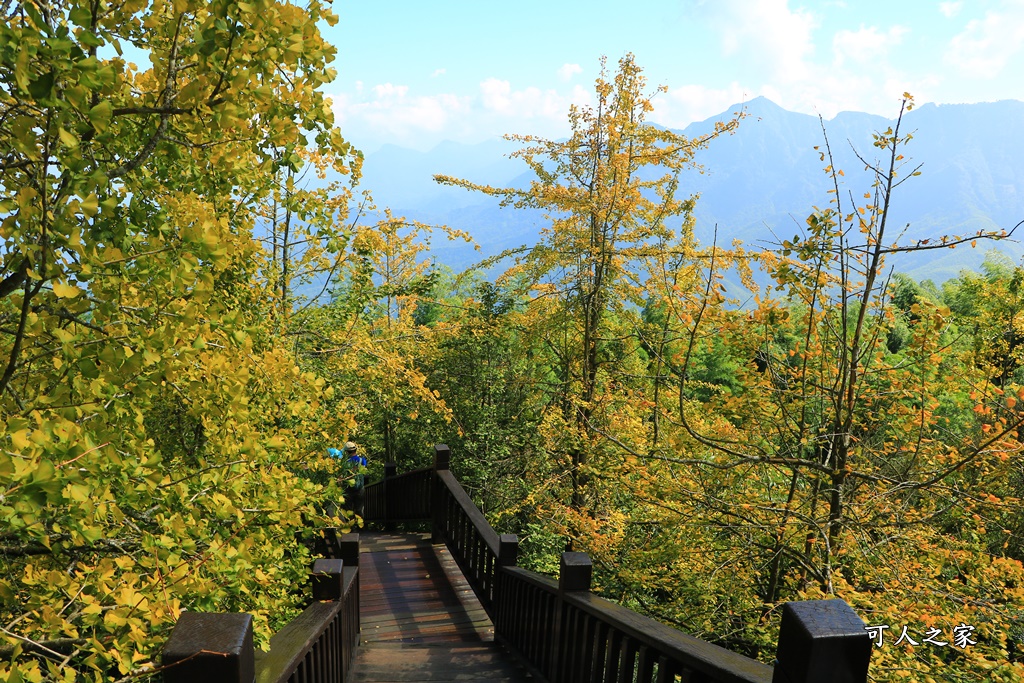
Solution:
(481, 662)
(420, 619)
(412, 591)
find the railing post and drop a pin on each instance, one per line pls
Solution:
(348, 549)
(390, 469)
(348, 545)
(209, 647)
(327, 579)
(508, 550)
(821, 641)
(574, 573)
(442, 462)
(508, 555)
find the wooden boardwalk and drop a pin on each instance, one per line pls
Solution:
(420, 619)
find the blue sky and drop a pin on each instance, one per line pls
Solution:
(414, 73)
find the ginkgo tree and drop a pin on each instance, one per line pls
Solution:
(155, 429)
(841, 467)
(369, 340)
(611, 194)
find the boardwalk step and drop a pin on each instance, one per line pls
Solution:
(420, 621)
(436, 663)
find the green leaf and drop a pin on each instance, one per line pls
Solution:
(81, 16)
(88, 368)
(69, 140)
(41, 87)
(189, 93)
(100, 115)
(44, 472)
(90, 39)
(21, 69)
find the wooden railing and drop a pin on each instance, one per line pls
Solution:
(399, 498)
(565, 633)
(318, 646)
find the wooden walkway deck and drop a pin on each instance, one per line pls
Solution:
(420, 619)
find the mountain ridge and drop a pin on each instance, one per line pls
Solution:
(764, 179)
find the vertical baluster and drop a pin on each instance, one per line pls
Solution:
(460, 520)
(666, 670)
(574, 645)
(537, 633)
(542, 620)
(492, 573)
(331, 650)
(390, 469)
(645, 665)
(517, 612)
(627, 663)
(611, 658)
(587, 634)
(478, 559)
(348, 633)
(600, 651)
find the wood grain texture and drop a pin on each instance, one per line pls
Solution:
(420, 619)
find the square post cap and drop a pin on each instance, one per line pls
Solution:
(442, 457)
(327, 579)
(574, 572)
(206, 646)
(508, 550)
(349, 545)
(821, 641)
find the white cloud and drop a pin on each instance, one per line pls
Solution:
(497, 96)
(437, 72)
(782, 50)
(567, 71)
(866, 44)
(388, 91)
(397, 114)
(392, 110)
(683, 105)
(950, 9)
(985, 45)
(768, 32)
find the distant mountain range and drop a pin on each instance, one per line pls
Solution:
(760, 183)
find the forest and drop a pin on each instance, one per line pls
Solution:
(189, 318)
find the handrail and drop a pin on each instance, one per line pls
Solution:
(568, 634)
(398, 498)
(467, 507)
(309, 644)
(527, 608)
(665, 644)
(316, 647)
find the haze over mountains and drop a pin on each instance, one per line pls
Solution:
(760, 183)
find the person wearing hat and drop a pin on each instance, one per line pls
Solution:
(354, 458)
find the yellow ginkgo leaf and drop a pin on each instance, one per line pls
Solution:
(65, 291)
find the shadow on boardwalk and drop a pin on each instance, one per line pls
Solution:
(420, 619)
